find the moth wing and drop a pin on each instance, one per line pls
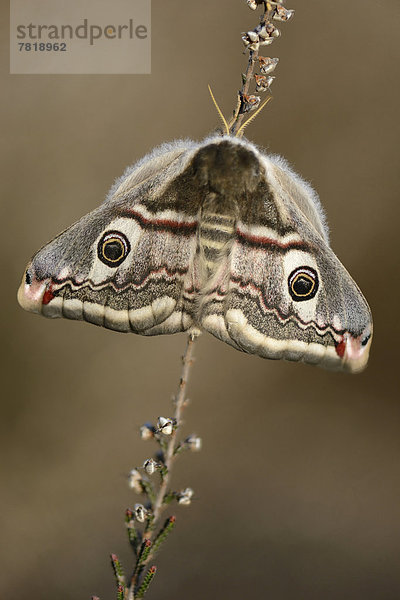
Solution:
(280, 230)
(151, 290)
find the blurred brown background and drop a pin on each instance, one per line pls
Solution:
(297, 487)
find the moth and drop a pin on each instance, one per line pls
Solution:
(216, 236)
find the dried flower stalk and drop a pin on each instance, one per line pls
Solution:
(143, 521)
(263, 35)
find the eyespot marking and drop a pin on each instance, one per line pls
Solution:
(303, 283)
(113, 248)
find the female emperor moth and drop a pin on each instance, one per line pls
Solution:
(216, 236)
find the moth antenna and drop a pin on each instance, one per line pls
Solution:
(239, 133)
(219, 111)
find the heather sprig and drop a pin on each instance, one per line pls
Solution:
(146, 529)
(264, 34)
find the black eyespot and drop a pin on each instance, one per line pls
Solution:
(303, 284)
(113, 248)
(28, 278)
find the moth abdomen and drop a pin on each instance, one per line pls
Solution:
(214, 245)
(216, 231)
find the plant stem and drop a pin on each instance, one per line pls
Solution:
(248, 76)
(187, 361)
(169, 457)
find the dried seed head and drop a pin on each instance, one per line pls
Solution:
(252, 4)
(140, 513)
(282, 13)
(253, 36)
(147, 431)
(193, 443)
(135, 481)
(165, 425)
(251, 40)
(267, 33)
(185, 496)
(264, 36)
(150, 466)
(263, 82)
(249, 103)
(267, 65)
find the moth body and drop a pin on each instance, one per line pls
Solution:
(216, 232)
(213, 235)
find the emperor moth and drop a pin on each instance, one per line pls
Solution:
(213, 235)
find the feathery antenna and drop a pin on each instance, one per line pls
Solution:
(219, 111)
